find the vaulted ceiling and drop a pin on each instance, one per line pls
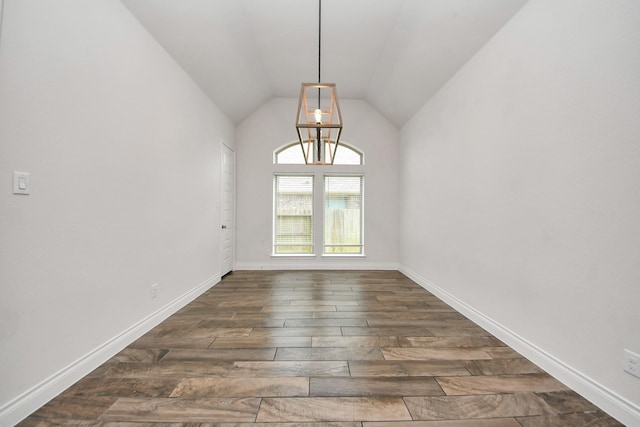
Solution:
(395, 54)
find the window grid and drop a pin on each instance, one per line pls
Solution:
(292, 154)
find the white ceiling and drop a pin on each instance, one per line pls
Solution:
(395, 54)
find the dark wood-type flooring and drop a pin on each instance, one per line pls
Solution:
(319, 348)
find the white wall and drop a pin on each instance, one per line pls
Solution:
(272, 126)
(520, 192)
(124, 152)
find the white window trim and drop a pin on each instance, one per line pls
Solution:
(319, 172)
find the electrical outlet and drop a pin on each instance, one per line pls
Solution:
(154, 290)
(631, 363)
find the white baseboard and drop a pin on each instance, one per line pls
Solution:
(331, 264)
(615, 405)
(22, 406)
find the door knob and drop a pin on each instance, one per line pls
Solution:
(224, 227)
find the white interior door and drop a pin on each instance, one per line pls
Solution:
(227, 206)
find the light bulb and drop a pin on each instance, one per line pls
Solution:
(318, 114)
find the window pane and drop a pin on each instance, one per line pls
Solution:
(343, 215)
(293, 228)
(292, 155)
(346, 155)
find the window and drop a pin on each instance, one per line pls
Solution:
(293, 213)
(343, 214)
(319, 209)
(291, 154)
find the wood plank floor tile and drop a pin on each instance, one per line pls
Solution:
(243, 322)
(200, 332)
(307, 323)
(567, 401)
(503, 353)
(148, 341)
(195, 309)
(284, 424)
(123, 387)
(376, 307)
(489, 384)
(489, 422)
(582, 419)
(289, 308)
(75, 407)
(169, 369)
(383, 314)
(345, 314)
(318, 302)
(234, 354)
(501, 367)
(32, 421)
(423, 296)
(193, 321)
(182, 410)
(375, 386)
(368, 341)
(249, 306)
(262, 342)
(139, 355)
(218, 331)
(332, 409)
(275, 316)
(486, 406)
(308, 295)
(287, 368)
(419, 323)
(242, 387)
(459, 332)
(434, 354)
(327, 353)
(455, 342)
(400, 368)
(317, 331)
(391, 331)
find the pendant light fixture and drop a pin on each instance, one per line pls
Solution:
(319, 121)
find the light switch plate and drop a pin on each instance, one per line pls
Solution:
(20, 183)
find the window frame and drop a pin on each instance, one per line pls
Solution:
(319, 172)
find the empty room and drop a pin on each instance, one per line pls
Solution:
(307, 213)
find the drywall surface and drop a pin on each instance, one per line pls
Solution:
(520, 186)
(123, 151)
(272, 126)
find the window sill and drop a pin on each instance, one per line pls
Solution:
(293, 256)
(315, 256)
(344, 256)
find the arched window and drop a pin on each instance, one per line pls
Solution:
(291, 154)
(318, 210)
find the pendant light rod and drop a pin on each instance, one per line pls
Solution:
(319, 46)
(319, 36)
(318, 130)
